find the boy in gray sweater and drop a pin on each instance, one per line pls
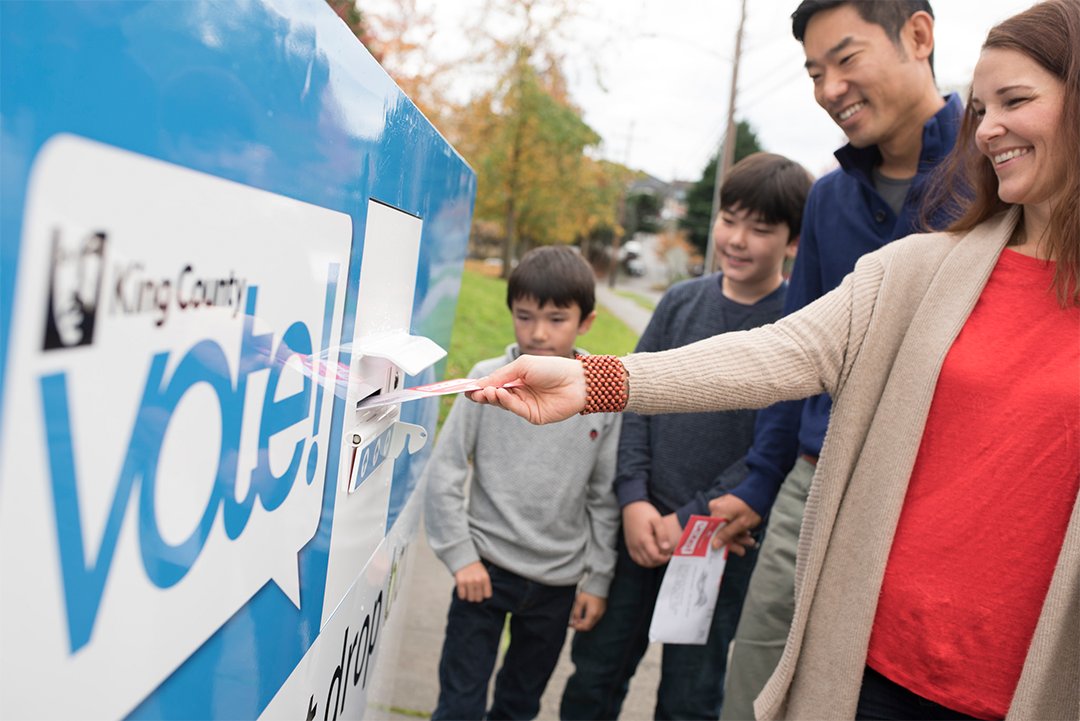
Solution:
(539, 517)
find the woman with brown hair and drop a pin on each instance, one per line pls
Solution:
(938, 571)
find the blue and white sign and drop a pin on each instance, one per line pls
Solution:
(185, 520)
(160, 431)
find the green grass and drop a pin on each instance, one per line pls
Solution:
(403, 711)
(641, 300)
(483, 329)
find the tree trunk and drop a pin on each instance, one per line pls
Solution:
(512, 191)
(509, 241)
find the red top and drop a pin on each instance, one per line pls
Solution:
(989, 500)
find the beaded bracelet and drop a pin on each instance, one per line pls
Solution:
(605, 384)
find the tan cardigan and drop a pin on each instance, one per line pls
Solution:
(876, 345)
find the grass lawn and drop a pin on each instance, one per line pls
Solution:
(483, 329)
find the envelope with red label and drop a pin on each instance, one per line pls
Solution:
(687, 598)
(431, 390)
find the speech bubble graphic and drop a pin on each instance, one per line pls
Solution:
(166, 431)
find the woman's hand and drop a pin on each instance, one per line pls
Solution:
(552, 388)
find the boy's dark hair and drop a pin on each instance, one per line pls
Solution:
(555, 273)
(770, 185)
(889, 14)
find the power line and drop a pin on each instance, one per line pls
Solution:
(728, 148)
(761, 95)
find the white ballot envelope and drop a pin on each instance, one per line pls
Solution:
(684, 606)
(431, 390)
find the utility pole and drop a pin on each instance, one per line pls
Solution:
(726, 152)
(620, 212)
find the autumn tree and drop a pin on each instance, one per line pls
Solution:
(400, 34)
(527, 139)
(522, 133)
(699, 198)
(533, 172)
(599, 199)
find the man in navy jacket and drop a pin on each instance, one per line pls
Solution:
(871, 65)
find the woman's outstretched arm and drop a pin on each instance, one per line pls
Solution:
(806, 353)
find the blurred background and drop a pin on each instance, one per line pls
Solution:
(599, 123)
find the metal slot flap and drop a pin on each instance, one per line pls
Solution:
(411, 353)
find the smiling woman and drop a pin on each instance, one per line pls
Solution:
(1019, 106)
(1022, 138)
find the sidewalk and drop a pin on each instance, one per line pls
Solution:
(427, 595)
(623, 308)
(428, 584)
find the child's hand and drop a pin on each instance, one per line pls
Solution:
(473, 582)
(668, 532)
(588, 609)
(647, 538)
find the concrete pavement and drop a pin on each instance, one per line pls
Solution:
(428, 584)
(623, 308)
(416, 689)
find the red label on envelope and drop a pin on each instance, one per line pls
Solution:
(697, 534)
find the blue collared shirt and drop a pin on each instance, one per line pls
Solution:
(845, 218)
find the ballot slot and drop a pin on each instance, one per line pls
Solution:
(386, 358)
(374, 377)
(384, 351)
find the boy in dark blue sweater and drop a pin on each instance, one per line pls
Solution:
(670, 465)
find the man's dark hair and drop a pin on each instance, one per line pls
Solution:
(769, 185)
(889, 14)
(555, 273)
